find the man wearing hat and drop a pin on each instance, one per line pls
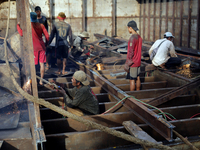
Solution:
(81, 96)
(133, 59)
(78, 47)
(165, 56)
(38, 44)
(62, 30)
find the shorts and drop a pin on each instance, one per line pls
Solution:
(39, 56)
(49, 50)
(62, 52)
(134, 72)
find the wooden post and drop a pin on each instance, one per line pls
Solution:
(50, 14)
(180, 24)
(160, 19)
(154, 19)
(149, 2)
(197, 35)
(173, 18)
(143, 20)
(28, 68)
(113, 17)
(189, 22)
(166, 19)
(83, 15)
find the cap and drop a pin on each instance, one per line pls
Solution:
(133, 24)
(84, 34)
(33, 16)
(81, 77)
(168, 34)
(61, 15)
(37, 8)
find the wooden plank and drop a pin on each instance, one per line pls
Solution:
(126, 81)
(144, 86)
(137, 132)
(174, 93)
(150, 93)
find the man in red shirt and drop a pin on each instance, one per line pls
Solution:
(38, 44)
(133, 59)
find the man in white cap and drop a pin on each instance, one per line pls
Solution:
(81, 96)
(165, 56)
(78, 47)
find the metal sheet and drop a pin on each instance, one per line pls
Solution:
(8, 97)
(9, 120)
(4, 76)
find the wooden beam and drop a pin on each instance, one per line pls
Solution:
(113, 17)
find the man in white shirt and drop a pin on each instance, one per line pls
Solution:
(165, 56)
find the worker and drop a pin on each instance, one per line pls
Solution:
(78, 47)
(62, 30)
(81, 96)
(165, 56)
(38, 44)
(133, 59)
(41, 19)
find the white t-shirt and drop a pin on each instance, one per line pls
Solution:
(164, 52)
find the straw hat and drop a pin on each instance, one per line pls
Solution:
(81, 77)
(84, 34)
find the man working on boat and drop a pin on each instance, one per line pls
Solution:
(62, 30)
(133, 59)
(81, 96)
(38, 44)
(78, 47)
(165, 57)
